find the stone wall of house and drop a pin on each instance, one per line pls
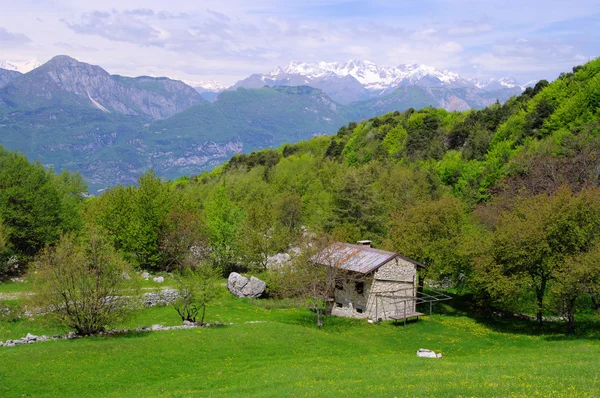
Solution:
(349, 302)
(398, 276)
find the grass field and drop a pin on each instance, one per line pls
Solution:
(272, 349)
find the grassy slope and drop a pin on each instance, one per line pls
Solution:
(286, 355)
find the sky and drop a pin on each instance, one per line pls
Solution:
(227, 40)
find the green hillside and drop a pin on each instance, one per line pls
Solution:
(258, 117)
(449, 188)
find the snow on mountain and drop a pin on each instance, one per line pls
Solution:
(20, 66)
(372, 76)
(206, 85)
(497, 84)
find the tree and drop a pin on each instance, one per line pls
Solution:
(315, 273)
(289, 213)
(430, 232)
(182, 238)
(3, 251)
(82, 284)
(72, 189)
(152, 204)
(223, 221)
(261, 235)
(114, 211)
(30, 206)
(358, 211)
(534, 240)
(196, 288)
(136, 219)
(575, 277)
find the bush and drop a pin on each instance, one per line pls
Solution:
(196, 288)
(10, 312)
(81, 283)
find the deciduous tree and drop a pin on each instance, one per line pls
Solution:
(197, 287)
(82, 284)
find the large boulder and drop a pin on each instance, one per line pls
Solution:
(243, 287)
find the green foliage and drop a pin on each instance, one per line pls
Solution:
(395, 141)
(151, 207)
(11, 312)
(136, 220)
(81, 284)
(197, 287)
(261, 234)
(431, 232)
(539, 240)
(223, 224)
(30, 205)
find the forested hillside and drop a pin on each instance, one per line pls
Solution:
(76, 116)
(502, 203)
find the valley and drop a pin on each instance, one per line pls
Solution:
(72, 115)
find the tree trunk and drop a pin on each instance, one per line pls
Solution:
(540, 308)
(203, 313)
(571, 315)
(319, 314)
(595, 302)
(540, 302)
(421, 283)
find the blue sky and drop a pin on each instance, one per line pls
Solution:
(227, 40)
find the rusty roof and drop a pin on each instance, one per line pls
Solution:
(357, 258)
(362, 259)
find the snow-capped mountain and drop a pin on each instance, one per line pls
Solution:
(360, 79)
(370, 75)
(212, 86)
(20, 66)
(497, 84)
(208, 89)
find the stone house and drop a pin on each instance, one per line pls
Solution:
(374, 284)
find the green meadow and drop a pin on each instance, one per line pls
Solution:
(273, 348)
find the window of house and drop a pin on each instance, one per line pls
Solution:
(339, 284)
(359, 310)
(338, 305)
(360, 287)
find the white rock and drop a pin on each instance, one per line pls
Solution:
(31, 337)
(424, 353)
(145, 275)
(159, 279)
(243, 287)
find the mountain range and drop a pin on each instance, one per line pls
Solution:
(111, 128)
(358, 80)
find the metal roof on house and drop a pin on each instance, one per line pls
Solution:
(357, 258)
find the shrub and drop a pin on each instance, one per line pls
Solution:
(10, 312)
(81, 283)
(196, 288)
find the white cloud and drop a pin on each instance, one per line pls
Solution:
(229, 39)
(12, 39)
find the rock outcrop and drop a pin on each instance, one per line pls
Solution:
(243, 287)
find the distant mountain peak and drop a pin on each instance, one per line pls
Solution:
(369, 74)
(498, 83)
(212, 86)
(65, 81)
(20, 66)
